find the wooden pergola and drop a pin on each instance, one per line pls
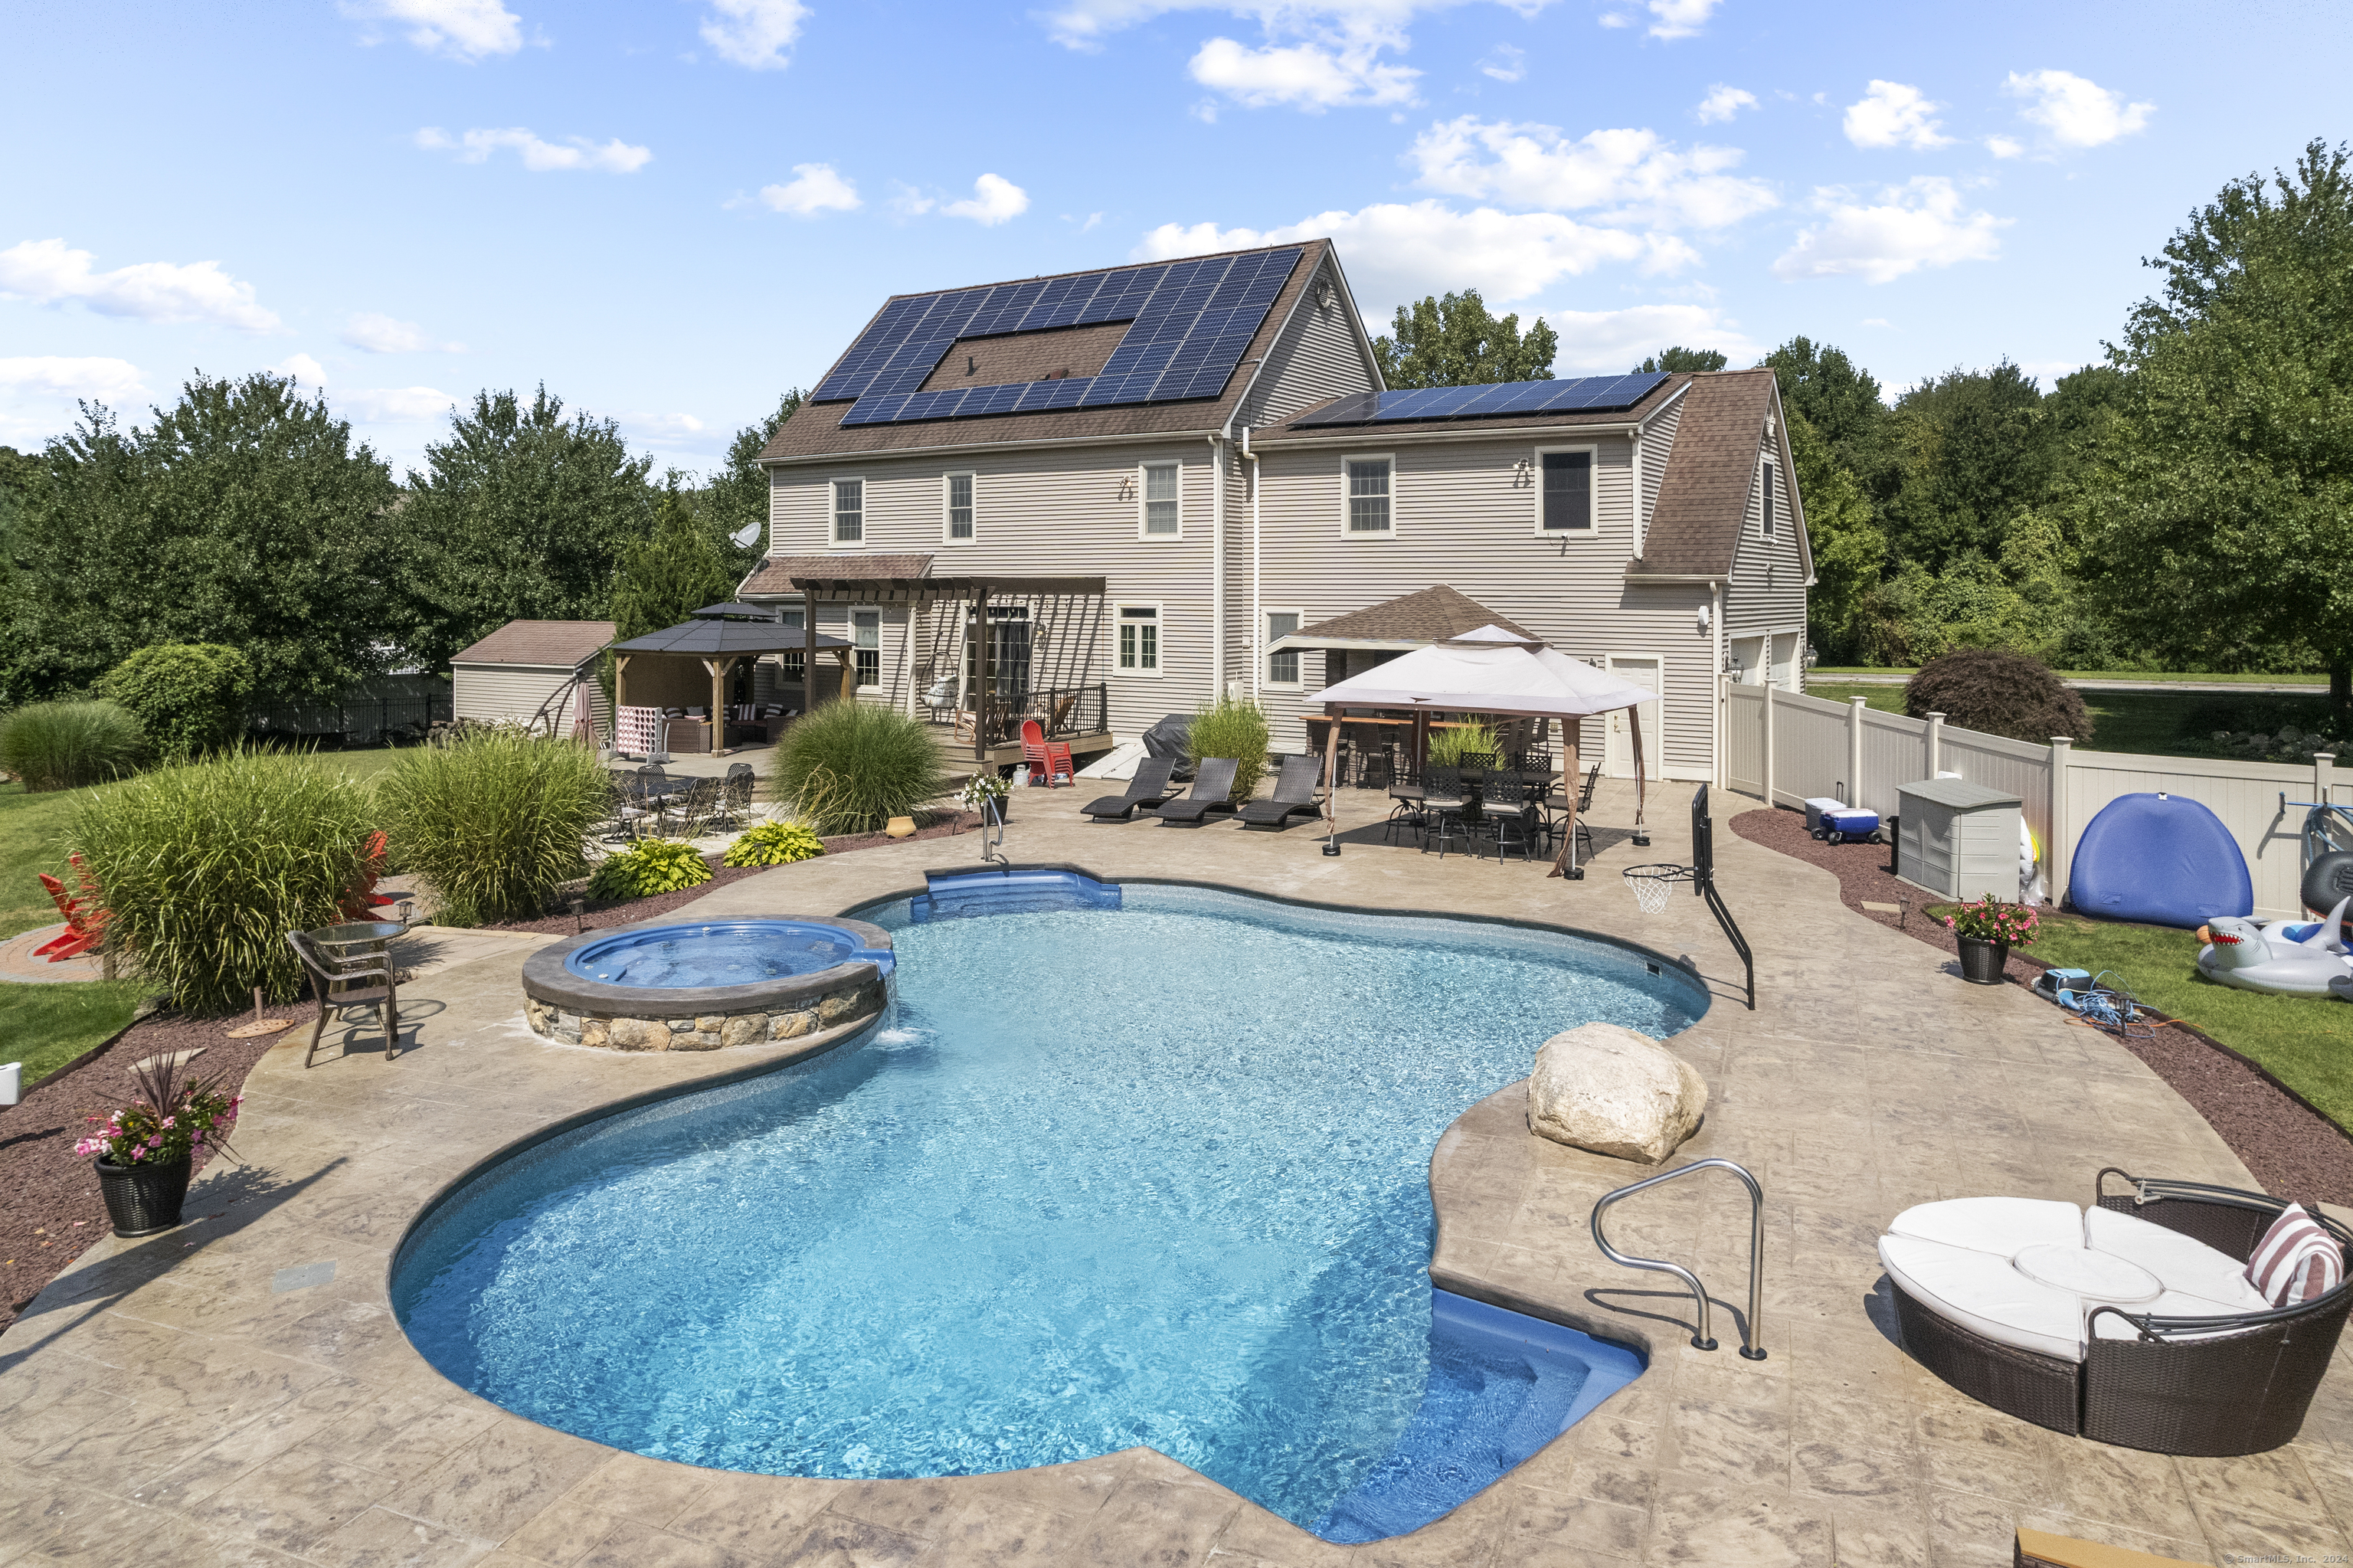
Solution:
(719, 645)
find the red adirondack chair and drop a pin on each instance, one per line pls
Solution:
(362, 899)
(1048, 759)
(85, 916)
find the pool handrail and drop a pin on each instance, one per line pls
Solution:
(1702, 1340)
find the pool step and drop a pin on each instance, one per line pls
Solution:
(1009, 890)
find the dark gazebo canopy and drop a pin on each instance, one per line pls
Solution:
(727, 639)
(737, 612)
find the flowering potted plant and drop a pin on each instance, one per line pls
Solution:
(984, 791)
(146, 1151)
(1988, 929)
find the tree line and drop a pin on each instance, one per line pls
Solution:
(246, 516)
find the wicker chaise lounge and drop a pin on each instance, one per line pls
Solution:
(1294, 795)
(1148, 787)
(2130, 1323)
(1212, 790)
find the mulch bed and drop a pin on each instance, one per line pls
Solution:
(53, 1211)
(2289, 1147)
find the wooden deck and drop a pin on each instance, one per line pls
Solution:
(958, 753)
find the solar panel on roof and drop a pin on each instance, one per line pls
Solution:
(1585, 394)
(1192, 322)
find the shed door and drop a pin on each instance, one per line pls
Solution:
(1640, 670)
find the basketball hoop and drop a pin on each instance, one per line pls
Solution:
(1653, 885)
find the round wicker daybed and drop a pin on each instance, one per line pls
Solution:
(2131, 1322)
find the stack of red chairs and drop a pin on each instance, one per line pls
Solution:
(363, 900)
(85, 916)
(1048, 759)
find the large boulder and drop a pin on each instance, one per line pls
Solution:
(1605, 1087)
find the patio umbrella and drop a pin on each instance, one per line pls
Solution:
(1492, 671)
(584, 717)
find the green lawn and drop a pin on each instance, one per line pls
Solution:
(1834, 671)
(45, 1026)
(2141, 722)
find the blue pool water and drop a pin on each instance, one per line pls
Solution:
(733, 952)
(1152, 1175)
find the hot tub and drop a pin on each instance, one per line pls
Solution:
(675, 985)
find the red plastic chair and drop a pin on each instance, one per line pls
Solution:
(1047, 758)
(85, 916)
(362, 898)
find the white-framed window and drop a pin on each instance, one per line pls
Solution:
(1367, 504)
(866, 645)
(1769, 522)
(1564, 490)
(849, 510)
(1139, 640)
(1161, 501)
(1282, 667)
(794, 620)
(956, 526)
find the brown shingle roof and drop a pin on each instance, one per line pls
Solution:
(776, 573)
(1704, 494)
(1430, 616)
(1026, 357)
(815, 431)
(1291, 432)
(565, 644)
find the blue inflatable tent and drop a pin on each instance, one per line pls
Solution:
(2163, 860)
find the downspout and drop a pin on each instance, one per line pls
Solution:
(1218, 570)
(1715, 681)
(1258, 596)
(1641, 528)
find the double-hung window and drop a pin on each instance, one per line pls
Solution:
(1163, 510)
(1769, 524)
(1282, 667)
(1368, 495)
(849, 510)
(1567, 498)
(794, 623)
(959, 503)
(1139, 640)
(866, 645)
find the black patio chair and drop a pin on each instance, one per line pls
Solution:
(344, 976)
(1556, 812)
(1377, 771)
(1211, 790)
(1294, 795)
(1510, 819)
(734, 796)
(1149, 788)
(694, 808)
(1441, 809)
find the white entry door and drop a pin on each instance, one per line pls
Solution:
(1640, 670)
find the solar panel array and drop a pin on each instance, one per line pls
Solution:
(1193, 322)
(1587, 394)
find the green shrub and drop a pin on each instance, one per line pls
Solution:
(1231, 727)
(850, 766)
(189, 696)
(492, 822)
(1450, 747)
(647, 867)
(1994, 693)
(206, 866)
(774, 843)
(63, 746)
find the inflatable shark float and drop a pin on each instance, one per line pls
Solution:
(2285, 958)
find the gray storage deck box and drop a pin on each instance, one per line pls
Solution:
(1957, 838)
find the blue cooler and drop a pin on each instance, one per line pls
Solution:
(1848, 826)
(1816, 807)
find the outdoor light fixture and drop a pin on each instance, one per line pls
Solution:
(579, 906)
(1703, 620)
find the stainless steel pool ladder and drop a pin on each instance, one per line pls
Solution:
(1702, 1340)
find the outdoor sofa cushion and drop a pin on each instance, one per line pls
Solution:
(2028, 1272)
(2296, 1261)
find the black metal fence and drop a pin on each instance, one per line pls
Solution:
(354, 720)
(1060, 710)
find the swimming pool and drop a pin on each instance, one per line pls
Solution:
(1152, 1175)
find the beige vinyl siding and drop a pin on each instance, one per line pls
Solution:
(1767, 591)
(493, 694)
(1319, 355)
(1658, 449)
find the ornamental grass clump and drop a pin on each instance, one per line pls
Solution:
(1447, 748)
(774, 843)
(850, 766)
(494, 820)
(647, 867)
(204, 868)
(65, 746)
(1234, 727)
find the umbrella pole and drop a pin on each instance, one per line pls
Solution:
(1331, 785)
(1635, 722)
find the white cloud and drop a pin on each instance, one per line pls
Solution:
(462, 29)
(2076, 112)
(302, 368)
(1891, 114)
(1919, 224)
(1680, 19)
(1398, 252)
(1604, 343)
(57, 376)
(1312, 76)
(1084, 23)
(1723, 102)
(377, 334)
(815, 188)
(1506, 63)
(661, 427)
(48, 272)
(1635, 174)
(395, 404)
(615, 157)
(2005, 146)
(994, 199)
(754, 34)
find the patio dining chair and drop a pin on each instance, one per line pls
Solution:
(734, 796)
(344, 976)
(694, 808)
(1510, 819)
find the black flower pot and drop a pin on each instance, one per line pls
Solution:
(144, 1198)
(1982, 961)
(1002, 805)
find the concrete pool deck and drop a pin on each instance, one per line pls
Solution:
(237, 1392)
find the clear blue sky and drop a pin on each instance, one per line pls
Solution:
(670, 211)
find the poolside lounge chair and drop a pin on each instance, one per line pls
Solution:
(1294, 795)
(1210, 792)
(1148, 787)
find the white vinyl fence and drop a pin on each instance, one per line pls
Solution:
(1784, 747)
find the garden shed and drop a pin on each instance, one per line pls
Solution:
(1957, 838)
(528, 671)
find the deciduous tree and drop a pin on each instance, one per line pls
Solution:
(1700, 361)
(1450, 340)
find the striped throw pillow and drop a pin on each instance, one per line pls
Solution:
(2296, 1261)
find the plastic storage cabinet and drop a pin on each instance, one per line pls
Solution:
(1957, 838)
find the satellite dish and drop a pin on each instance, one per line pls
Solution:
(745, 535)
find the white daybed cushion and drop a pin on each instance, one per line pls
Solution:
(2188, 1267)
(1982, 1293)
(1998, 1225)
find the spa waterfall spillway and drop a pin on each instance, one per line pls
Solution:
(709, 985)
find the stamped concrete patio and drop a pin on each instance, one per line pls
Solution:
(237, 1391)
